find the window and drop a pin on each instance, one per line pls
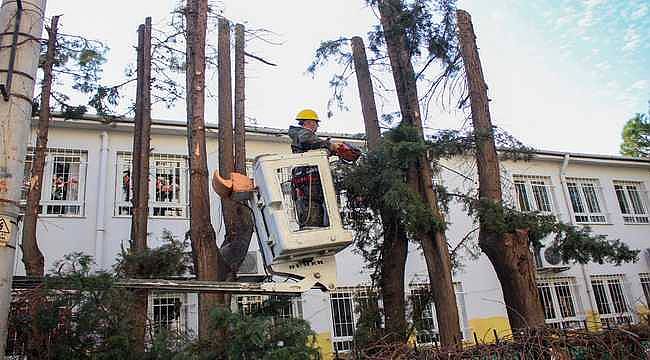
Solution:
(423, 313)
(424, 316)
(64, 178)
(533, 193)
(279, 306)
(167, 186)
(645, 284)
(167, 313)
(610, 298)
(585, 195)
(346, 304)
(631, 198)
(558, 299)
(29, 160)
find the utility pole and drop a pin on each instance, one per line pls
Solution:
(20, 49)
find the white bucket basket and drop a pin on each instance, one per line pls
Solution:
(294, 224)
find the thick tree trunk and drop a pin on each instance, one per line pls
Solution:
(394, 249)
(420, 178)
(366, 92)
(510, 254)
(394, 252)
(32, 256)
(140, 174)
(205, 253)
(239, 227)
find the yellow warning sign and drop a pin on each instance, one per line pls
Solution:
(5, 231)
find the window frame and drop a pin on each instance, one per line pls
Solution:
(124, 162)
(48, 176)
(612, 317)
(644, 279)
(631, 215)
(586, 201)
(558, 319)
(344, 343)
(178, 325)
(248, 304)
(530, 184)
(460, 303)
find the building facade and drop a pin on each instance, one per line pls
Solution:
(86, 207)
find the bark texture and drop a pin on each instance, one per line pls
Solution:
(510, 253)
(420, 178)
(140, 174)
(206, 255)
(394, 249)
(32, 256)
(366, 92)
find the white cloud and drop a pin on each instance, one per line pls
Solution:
(640, 85)
(603, 66)
(640, 12)
(632, 39)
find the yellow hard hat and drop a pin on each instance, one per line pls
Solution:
(307, 114)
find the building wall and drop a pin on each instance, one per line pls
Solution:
(479, 294)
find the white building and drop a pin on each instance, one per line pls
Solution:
(85, 209)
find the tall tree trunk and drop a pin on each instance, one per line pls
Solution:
(394, 249)
(206, 255)
(140, 173)
(366, 93)
(239, 238)
(420, 177)
(237, 218)
(22, 25)
(32, 256)
(510, 254)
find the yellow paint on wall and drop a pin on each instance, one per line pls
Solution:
(484, 328)
(324, 344)
(593, 321)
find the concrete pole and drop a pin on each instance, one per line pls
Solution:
(21, 23)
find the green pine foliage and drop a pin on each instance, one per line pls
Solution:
(262, 336)
(169, 259)
(376, 184)
(636, 136)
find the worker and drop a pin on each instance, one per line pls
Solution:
(307, 191)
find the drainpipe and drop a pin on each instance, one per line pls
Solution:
(567, 201)
(101, 201)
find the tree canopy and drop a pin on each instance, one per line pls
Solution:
(636, 136)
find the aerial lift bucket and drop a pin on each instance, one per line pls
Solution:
(291, 246)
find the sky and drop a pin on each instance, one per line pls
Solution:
(563, 75)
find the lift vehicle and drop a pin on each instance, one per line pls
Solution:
(290, 248)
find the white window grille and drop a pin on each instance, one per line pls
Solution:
(613, 306)
(645, 285)
(168, 186)
(280, 307)
(631, 198)
(533, 193)
(168, 312)
(561, 306)
(585, 196)
(423, 313)
(64, 182)
(345, 303)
